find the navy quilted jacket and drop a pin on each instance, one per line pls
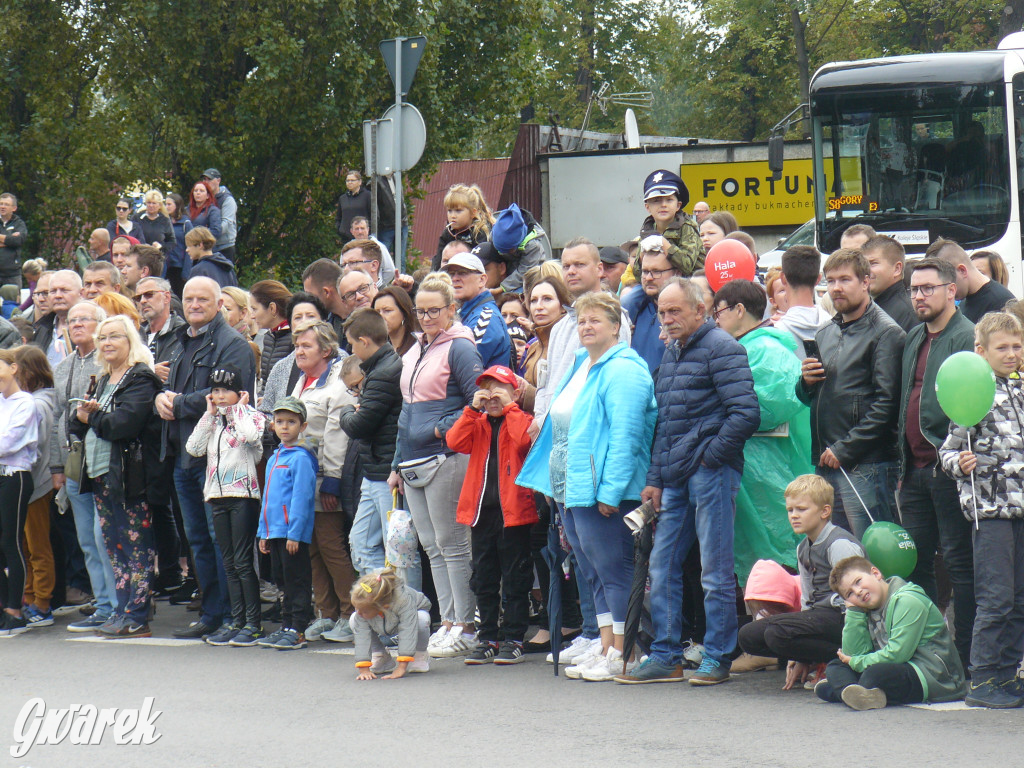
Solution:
(707, 408)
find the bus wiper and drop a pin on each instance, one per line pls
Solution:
(893, 217)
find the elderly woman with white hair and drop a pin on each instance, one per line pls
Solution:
(323, 392)
(122, 436)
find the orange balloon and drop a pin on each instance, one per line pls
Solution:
(729, 260)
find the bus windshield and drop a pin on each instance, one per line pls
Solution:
(918, 163)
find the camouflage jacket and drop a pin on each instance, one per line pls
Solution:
(685, 250)
(998, 443)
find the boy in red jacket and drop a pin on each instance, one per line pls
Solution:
(493, 431)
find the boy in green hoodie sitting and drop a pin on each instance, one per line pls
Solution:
(896, 648)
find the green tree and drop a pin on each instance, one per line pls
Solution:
(273, 93)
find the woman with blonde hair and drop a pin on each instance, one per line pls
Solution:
(237, 311)
(592, 457)
(438, 381)
(156, 224)
(121, 433)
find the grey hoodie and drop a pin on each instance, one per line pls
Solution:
(46, 407)
(71, 379)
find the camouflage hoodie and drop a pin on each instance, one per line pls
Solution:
(998, 442)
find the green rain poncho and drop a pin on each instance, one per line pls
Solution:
(772, 458)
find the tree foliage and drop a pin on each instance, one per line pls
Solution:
(273, 93)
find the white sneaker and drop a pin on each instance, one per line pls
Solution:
(342, 633)
(607, 667)
(318, 627)
(693, 653)
(382, 663)
(456, 643)
(438, 637)
(577, 647)
(420, 662)
(575, 672)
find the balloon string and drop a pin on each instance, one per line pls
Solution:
(974, 491)
(848, 480)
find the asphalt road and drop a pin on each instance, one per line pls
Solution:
(257, 707)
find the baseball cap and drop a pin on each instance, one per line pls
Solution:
(291, 404)
(612, 254)
(211, 173)
(498, 373)
(466, 261)
(487, 253)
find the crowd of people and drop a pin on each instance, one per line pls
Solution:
(249, 454)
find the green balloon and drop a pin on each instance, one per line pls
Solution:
(966, 388)
(890, 549)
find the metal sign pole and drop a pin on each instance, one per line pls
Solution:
(400, 260)
(374, 180)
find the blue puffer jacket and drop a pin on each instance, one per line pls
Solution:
(483, 318)
(707, 408)
(609, 436)
(288, 497)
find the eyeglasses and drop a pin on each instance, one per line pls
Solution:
(655, 272)
(81, 321)
(146, 295)
(355, 391)
(718, 312)
(924, 290)
(363, 290)
(111, 337)
(431, 312)
(354, 262)
(121, 208)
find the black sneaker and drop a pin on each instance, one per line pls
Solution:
(183, 594)
(197, 630)
(484, 653)
(222, 636)
(993, 695)
(246, 637)
(510, 653)
(12, 625)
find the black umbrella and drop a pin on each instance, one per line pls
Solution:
(641, 521)
(554, 556)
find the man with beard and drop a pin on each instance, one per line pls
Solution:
(852, 387)
(929, 501)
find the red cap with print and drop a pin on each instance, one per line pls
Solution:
(498, 373)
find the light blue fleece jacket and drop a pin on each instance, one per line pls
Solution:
(610, 433)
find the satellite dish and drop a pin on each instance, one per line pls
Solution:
(1014, 40)
(632, 132)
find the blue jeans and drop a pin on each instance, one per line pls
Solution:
(604, 549)
(366, 539)
(94, 548)
(387, 236)
(587, 609)
(875, 482)
(702, 509)
(198, 519)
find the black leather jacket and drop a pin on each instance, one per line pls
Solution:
(854, 410)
